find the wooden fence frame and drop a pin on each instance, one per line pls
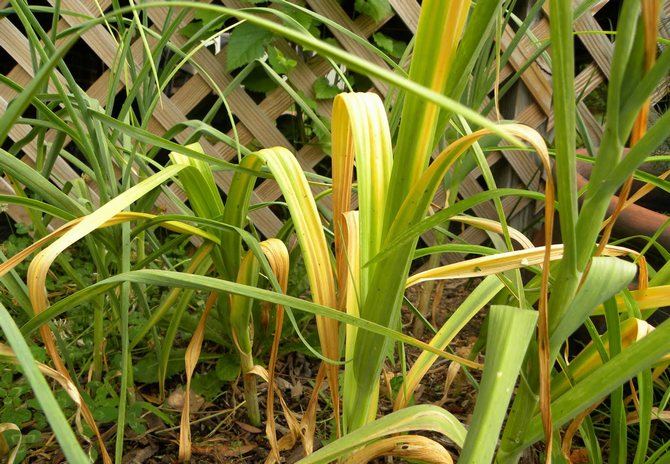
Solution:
(257, 121)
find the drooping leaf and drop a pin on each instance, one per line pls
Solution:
(422, 417)
(146, 370)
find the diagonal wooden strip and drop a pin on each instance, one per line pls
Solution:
(588, 80)
(534, 78)
(598, 45)
(274, 105)
(409, 11)
(332, 10)
(168, 114)
(540, 30)
(241, 103)
(17, 46)
(594, 127)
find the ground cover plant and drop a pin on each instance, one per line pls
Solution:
(121, 301)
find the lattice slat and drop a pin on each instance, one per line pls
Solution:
(256, 122)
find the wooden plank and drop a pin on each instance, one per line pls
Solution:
(18, 47)
(598, 45)
(332, 10)
(257, 121)
(409, 11)
(588, 80)
(535, 79)
(168, 114)
(240, 102)
(539, 30)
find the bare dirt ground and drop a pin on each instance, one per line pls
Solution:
(220, 430)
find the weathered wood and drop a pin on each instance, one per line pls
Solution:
(256, 122)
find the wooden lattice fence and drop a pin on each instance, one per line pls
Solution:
(256, 120)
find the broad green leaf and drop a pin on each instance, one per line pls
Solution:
(323, 90)
(206, 16)
(247, 43)
(376, 9)
(393, 47)
(279, 61)
(228, 367)
(147, 369)
(259, 81)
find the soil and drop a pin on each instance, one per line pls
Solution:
(221, 433)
